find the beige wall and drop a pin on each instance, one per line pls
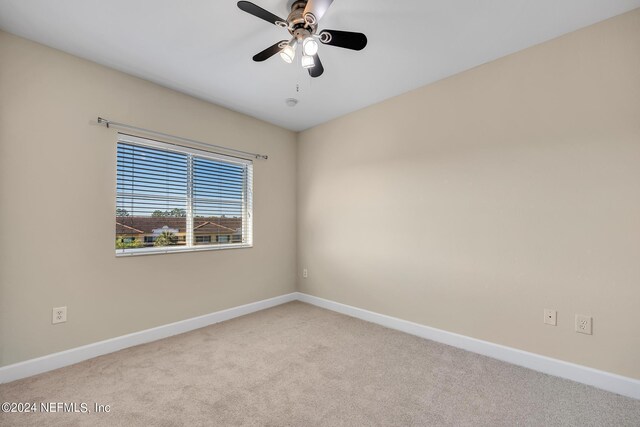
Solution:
(57, 198)
(474, 203)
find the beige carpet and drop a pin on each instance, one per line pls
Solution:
(300, 365)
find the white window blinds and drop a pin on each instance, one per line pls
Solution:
(172, 198)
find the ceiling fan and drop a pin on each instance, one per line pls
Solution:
(302, 24)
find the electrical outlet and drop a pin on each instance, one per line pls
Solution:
(305, 273)
(550, 317)
(59, 315)
(583, 324)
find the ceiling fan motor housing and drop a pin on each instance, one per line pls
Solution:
(301, 26)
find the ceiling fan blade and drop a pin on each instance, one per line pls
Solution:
(344, 39)
(317, 8)
(317, 69)
(254, 10)
(269, 52)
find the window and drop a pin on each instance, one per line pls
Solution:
(172, 198)
(203, 239)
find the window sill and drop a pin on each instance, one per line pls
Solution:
(159, 251)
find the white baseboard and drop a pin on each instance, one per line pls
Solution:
(78, 354)
(604, 380)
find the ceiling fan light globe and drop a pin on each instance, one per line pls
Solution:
(287, 54)
(286, 58)
(308, 62)
(310, 46)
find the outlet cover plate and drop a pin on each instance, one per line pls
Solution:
(583, 324)
(58, 315)
(550, 317)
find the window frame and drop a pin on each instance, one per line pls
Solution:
(247, 205)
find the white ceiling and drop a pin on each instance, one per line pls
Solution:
(204, 47)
